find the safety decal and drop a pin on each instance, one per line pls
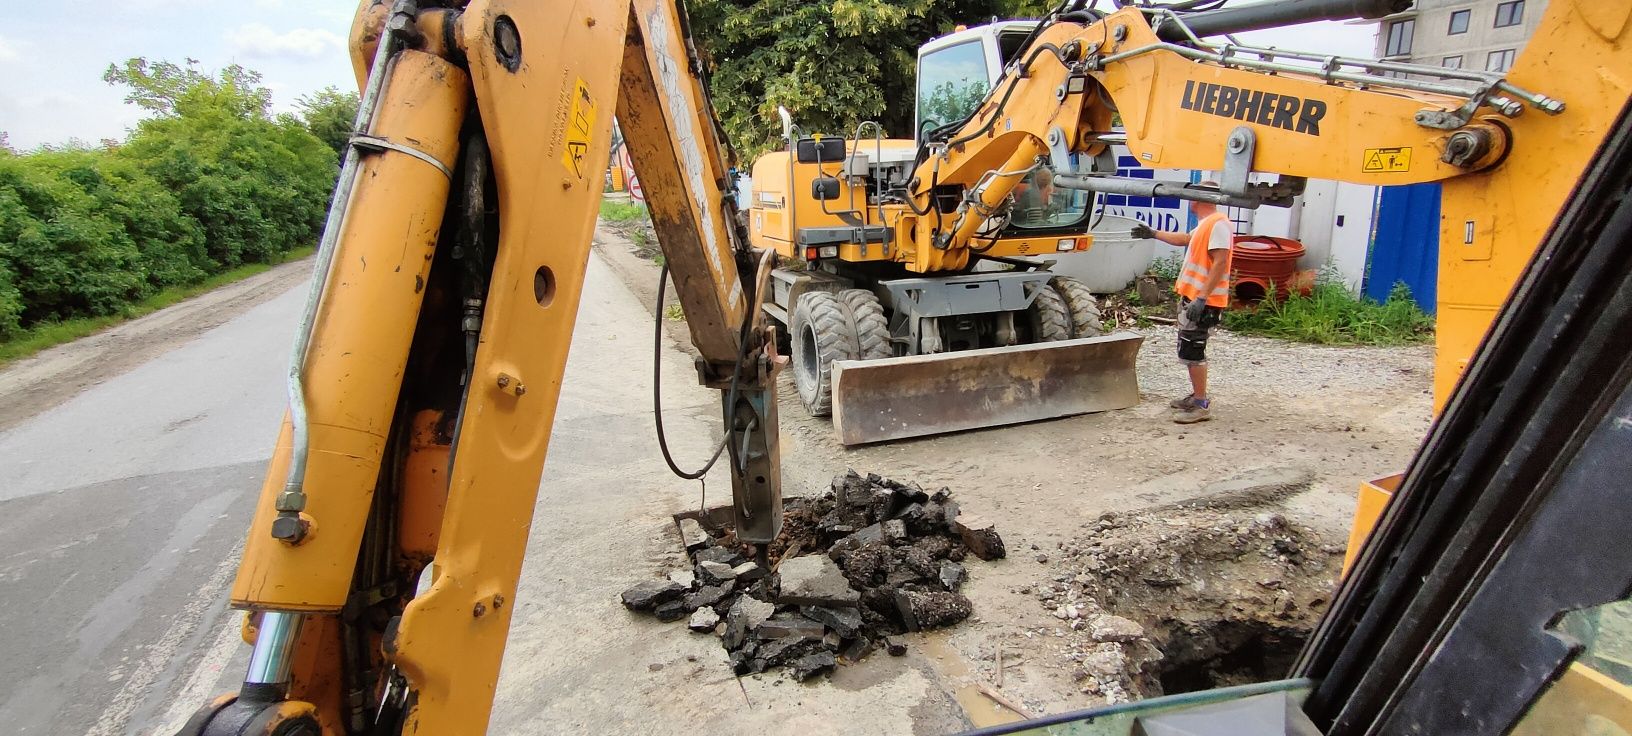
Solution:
(1386, 160)
(579, 124)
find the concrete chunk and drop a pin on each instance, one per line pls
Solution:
(952, 575)
(815, 580)
(704, 620)
(1108, 628)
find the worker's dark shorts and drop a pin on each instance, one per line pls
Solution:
(1193, 337)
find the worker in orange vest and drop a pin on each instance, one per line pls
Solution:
(1204, 292)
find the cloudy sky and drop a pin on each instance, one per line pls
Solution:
(52, 54)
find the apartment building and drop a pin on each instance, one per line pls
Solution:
(1464, 34)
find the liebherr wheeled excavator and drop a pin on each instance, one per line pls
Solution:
(381, 565)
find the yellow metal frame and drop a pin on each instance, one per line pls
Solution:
(468, 524)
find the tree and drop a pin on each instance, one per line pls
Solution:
(330, 114)
(832, 63)
(256, 186)
(169, 89)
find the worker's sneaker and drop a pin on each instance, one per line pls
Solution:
(1197, 412)
(1183, 402)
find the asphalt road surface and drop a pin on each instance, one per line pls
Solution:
(124, 507)
(122, 512)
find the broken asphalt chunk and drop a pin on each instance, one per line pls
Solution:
(707, 596)
(952, 575)
(746, 614)
(722, 555)
(792, 626)
(650, 594)
(813, 664)
(714, 573)
(846, 622)
(671, 610)
(748, 572)
(692, 535)
(928, 609)
(980, 536)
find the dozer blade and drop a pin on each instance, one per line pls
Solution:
(917, 395)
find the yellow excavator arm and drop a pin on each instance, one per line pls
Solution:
(1507, 146)
(381, 566)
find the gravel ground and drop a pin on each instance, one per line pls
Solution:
(1340, 415)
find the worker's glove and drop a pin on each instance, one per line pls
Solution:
(1194, 310)
(1142, 232)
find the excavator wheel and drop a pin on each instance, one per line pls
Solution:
(1049, 316)
(822, 333)
(872, 330)
(1082, 306)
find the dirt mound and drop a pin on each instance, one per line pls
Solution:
(871, 559)
(1209, 593)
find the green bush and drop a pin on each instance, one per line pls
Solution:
(1331, 315)
(208, 183)
(623, 211)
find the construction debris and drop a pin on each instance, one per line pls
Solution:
(871, 559)
(1216, 591)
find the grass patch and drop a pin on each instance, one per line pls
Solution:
(622, 211)
(52, 334)
(1330, 315)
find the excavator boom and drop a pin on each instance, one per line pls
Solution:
(381, 566)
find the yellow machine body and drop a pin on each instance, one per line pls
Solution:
(423, 470)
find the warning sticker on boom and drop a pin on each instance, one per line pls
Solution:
(580, 121)
(1385, 160)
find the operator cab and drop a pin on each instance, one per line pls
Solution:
(955, 72)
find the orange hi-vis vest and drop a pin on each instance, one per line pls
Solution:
(1198, 261)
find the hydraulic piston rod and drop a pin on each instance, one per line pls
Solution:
(1276, 14)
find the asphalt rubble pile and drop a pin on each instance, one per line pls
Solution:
(1211, 592)
(872, 559)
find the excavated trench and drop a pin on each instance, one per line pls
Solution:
(1226, 653)
(1220, 591)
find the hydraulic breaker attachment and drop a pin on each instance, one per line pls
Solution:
(917, 395)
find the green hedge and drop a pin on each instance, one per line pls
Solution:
(211, 182)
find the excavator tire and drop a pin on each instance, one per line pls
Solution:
(872, 330)
(1049, 317)
(1081, 304)
(822, 333)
